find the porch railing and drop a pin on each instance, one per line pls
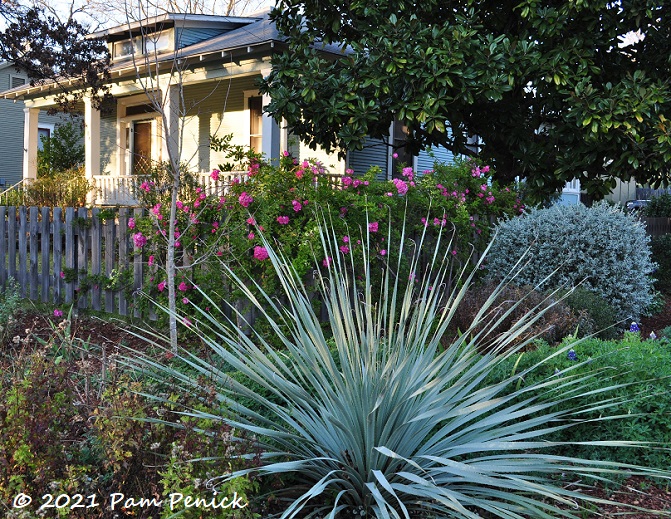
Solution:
(112, 191)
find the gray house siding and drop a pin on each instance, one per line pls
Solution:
(426, 158)
(11, 129)
(374, 153)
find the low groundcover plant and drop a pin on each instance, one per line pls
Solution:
(375, 417)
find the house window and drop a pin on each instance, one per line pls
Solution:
(43, 133)
(144, 44)
(255, 105)
(17, 81)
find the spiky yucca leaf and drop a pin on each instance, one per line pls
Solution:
(389, 423)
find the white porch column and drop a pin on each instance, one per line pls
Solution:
(91, 145)
(171, 113)
(30, 143)
(271, 135)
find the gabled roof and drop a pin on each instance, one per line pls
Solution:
(256, 34)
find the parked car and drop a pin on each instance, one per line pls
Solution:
(634, 206)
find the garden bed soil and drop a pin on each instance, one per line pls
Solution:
(636, 491)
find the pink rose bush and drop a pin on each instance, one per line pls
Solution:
(282, 204)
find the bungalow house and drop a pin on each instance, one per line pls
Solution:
(11, 126)
(204, 69)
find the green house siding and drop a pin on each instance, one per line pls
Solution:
(108, 143)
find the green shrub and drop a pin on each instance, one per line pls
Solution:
(597, 316)
(661, 253)
(641, 369)
(74, 423)
(62, 151)
(63, 189)
(602, 248)
(397, 424)
(659, 206)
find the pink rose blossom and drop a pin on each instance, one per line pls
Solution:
(283, 220)
(383, 252)
(373, 227)
(401, 186)
(183, 287)
(245, 199)
(185, 300)
(131, 223)
(215, 174)
(161, 286)
(327, 261)
(250, 236)
(296, 205)
(139, 239)
(251, 220)
(260, 253)
(344, 249)
(151, 260)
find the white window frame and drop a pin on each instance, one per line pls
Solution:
(44, 126)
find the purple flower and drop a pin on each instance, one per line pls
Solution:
(572, 355)
(58, 313)
(634, 328)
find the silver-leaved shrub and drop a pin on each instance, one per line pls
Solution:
(601, 247)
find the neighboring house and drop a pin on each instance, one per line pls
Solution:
(12, 118)
(220, 60)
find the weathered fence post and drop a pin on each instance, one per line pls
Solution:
(96, 258)
(58, 253)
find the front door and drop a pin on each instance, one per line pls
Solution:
(142, 131)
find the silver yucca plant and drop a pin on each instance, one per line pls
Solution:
(383, 419)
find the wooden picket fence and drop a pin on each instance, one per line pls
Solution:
(52, 252)
(656, 226)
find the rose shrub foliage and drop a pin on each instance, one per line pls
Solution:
(284, 202)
